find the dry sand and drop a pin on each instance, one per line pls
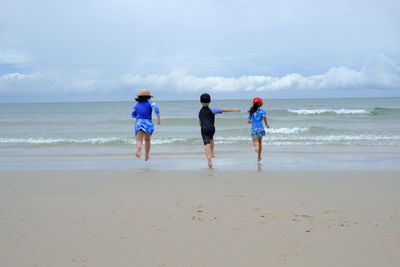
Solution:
(202, 218)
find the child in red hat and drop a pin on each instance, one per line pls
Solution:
(256, 118)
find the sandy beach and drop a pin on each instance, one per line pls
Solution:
(271, 133)
(199, 218)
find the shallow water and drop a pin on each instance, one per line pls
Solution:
(103, 130)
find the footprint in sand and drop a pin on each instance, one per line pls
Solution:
(233, 196)
(331, 211)
(200, 214)
(302, 217)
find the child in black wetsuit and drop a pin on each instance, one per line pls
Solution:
(206, 120)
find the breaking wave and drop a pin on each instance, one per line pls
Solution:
(87, 141)
(329, 111)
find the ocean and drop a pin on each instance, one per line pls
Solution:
(348, 132)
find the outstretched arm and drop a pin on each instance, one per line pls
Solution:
(230, 110)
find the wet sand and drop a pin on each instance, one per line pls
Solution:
(199, 218)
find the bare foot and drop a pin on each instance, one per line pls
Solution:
(147, 157)
(209, 162)
(259, 159)
(137, 154)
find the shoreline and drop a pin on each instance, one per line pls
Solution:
(314, 160)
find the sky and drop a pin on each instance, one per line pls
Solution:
(100, 50)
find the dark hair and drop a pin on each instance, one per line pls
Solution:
(142, 98)
(205, 98)
(254, 108)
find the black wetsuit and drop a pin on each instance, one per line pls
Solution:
(207, 118)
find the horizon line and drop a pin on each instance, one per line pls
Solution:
(191, 99)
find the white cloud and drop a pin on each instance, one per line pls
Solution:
(378, 72)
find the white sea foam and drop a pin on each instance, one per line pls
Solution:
(97, 140)
(167, 141)
(322, 111)
(335, 138)
(92, 141)
(314, 140)
(287, 130)
(231, 140)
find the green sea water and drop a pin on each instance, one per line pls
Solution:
(105, 129)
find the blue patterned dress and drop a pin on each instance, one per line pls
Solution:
(257, 127)
(142, 112)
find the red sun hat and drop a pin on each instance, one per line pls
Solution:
(258, 101)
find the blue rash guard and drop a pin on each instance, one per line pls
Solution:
(142, 111)
(257, 127)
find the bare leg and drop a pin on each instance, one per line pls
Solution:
(207, 151)
(212, 148)
(255, 144)
(139, 142)
(259, 140)
(147, 145)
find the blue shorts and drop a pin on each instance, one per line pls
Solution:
(144, 125)
(257, 133)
